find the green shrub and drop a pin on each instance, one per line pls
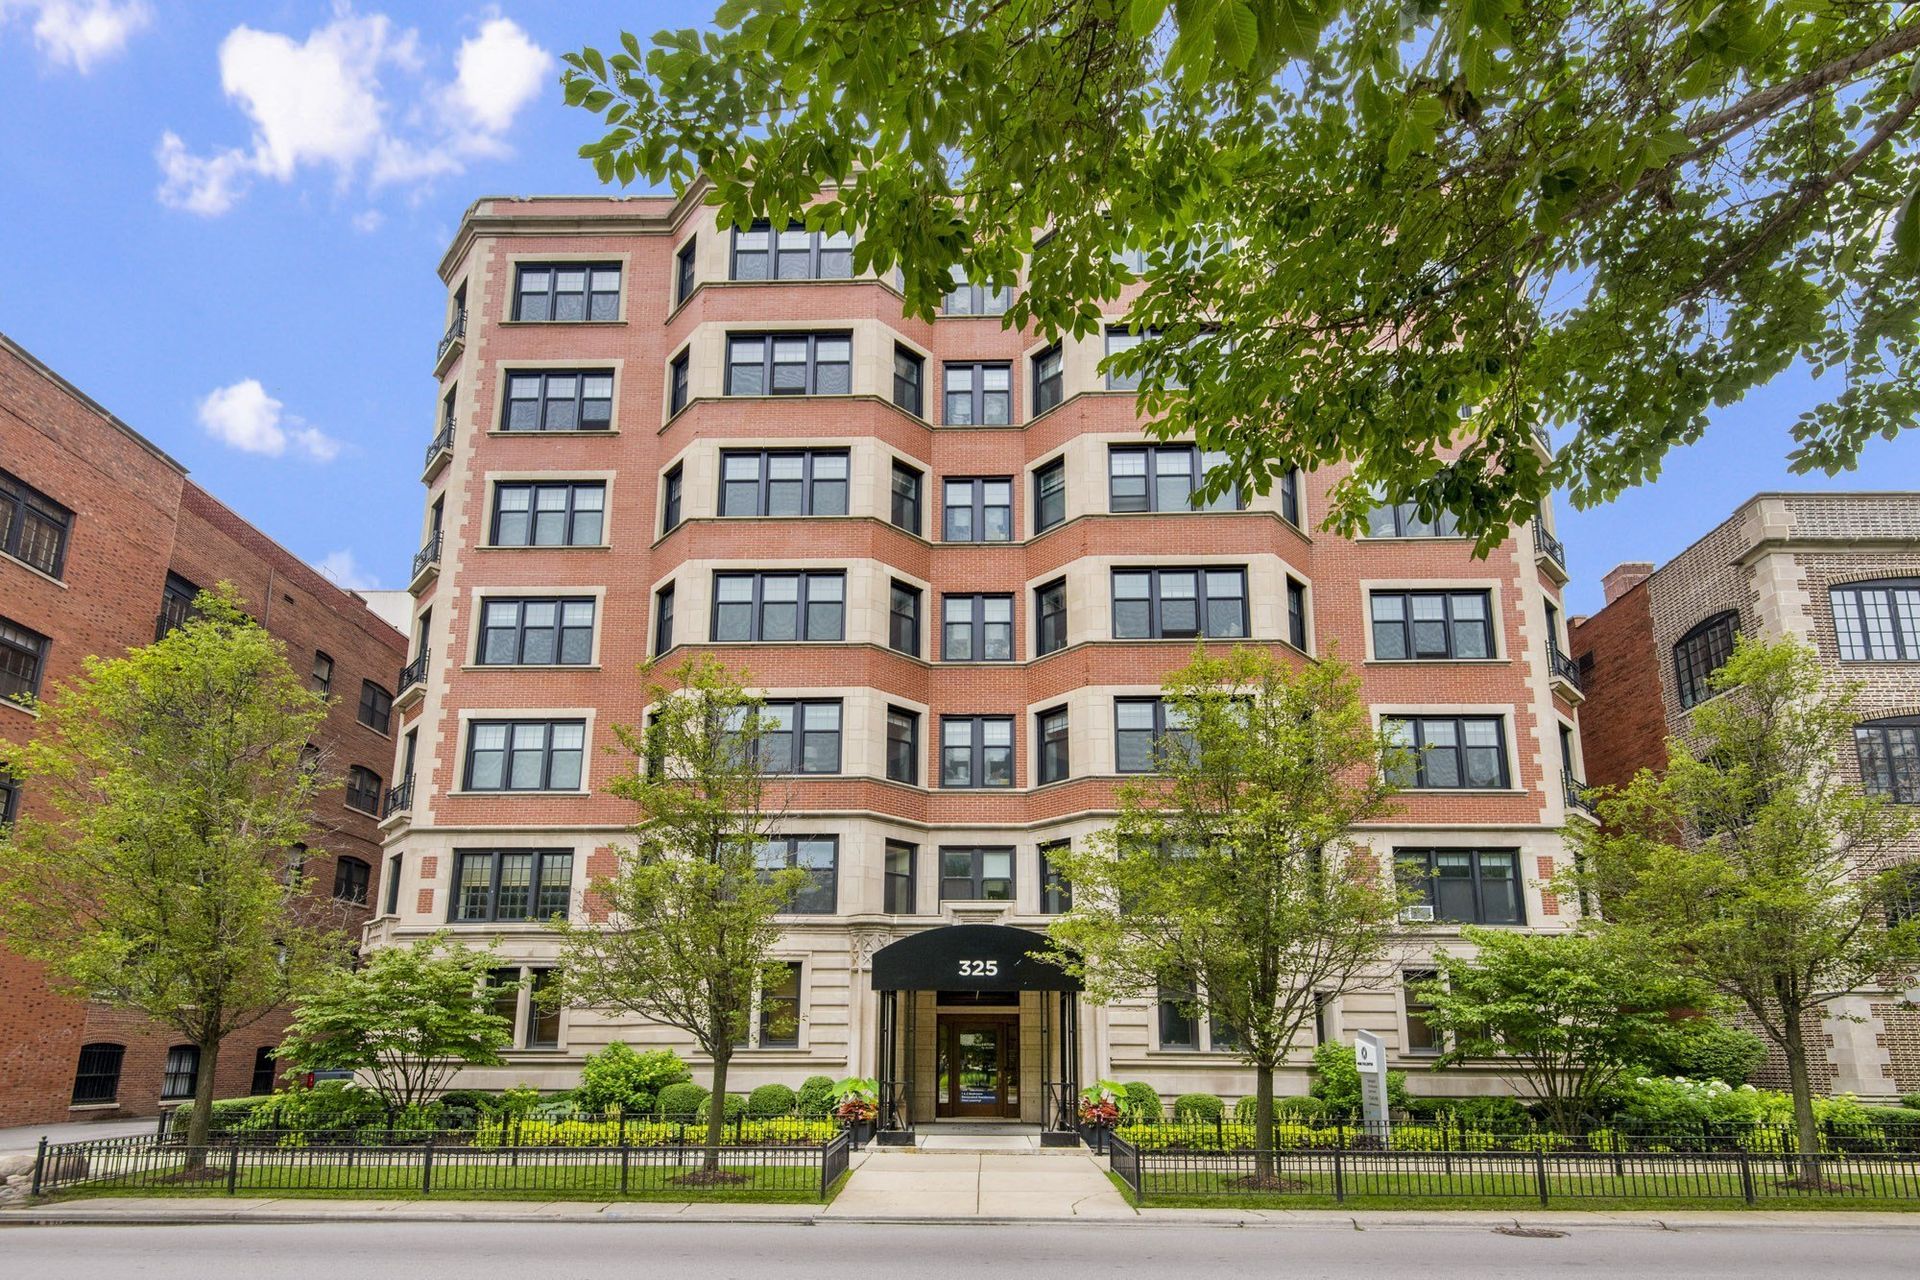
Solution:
(1198, 1108)
(617, 1076)
(1497, 1113)
(1296, 1106)
(475, 1100)
(771, 1100)
(1708, 1049)
(682, 1101)
(735, 1107)
(816, 1096)
(1142, 1101)
(331, 1104)
(1336, 1081)
(1911, 1101)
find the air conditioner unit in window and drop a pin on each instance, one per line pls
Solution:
(1418, 914)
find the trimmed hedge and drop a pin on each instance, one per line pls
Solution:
(816, 1096)
(683, 1099)
(1141, 1100)
(1298, 1106)
(771, 1100)
(1195, 1107)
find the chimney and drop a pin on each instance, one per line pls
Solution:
(1624, 577)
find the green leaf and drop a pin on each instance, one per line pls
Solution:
(1143, 17)
(1906, 232)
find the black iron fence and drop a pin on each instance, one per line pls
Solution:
(1448, 1132)
(568, 1129)
(1537, 1172)
(433, 1167)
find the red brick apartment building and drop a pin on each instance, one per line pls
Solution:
(952, 562)
(104, 541)
(1837, 571)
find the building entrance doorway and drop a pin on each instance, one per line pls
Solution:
(977, 1067)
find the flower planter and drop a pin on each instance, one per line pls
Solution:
(1096, 1136)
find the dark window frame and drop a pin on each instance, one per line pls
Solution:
(181, 1072)
(1403, 521)
(803, 603)
(1049, 389)
(376, 707)
(1056, 473)
(390, 899)
(977, 626)
(976, 749)
(1159, 733)
(1049, 622)
(1053, 745)
(519, 630)
(1703, 650)
(570, 513)
(811, 383)
(1202, 602)
(663, 620)
(683, 273)
(509, 751)
(905, 619)
(1901, 620)
(1899, 780)
(764, 481)
(590, 292)
(826, 882)
(1297, 614)
(543, 1023)
(579, 400)
(976, 877)
(350, 885)
(177, 595)
(976, 395)
(679, 383)
(1056, 894)
(23, 660)
(1419, 781)
(981, 299)
(903, 752)
(363, 783)
(768, 1014)
(799, 713)
(816, 250)
(909, 379)
(1149, 498)
(1425, 1043)
(672, 496)
(266, 1071)
(1426, 861)
(977, 508)
(910, 505)
(9, 800)
(544, 884)
(1407, 625)
(100, 1066)
(900, 891)
(20, 505)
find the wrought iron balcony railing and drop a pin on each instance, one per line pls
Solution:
(413, 673)
(398, 798)
(455, 332)
(442, 443)
(1549, 545)
(429, 555)
(1576, 791)
(1561, 667)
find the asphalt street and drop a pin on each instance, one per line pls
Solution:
(855, 1251)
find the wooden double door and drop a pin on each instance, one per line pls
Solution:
(977, 1066)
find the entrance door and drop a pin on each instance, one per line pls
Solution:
(978, 1068)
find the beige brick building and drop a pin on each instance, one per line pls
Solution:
(949, 547)
(1838, 571)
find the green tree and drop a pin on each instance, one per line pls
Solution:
(1567, 1014)
(1232, 875)
(409, 1017)
(1753, 862)
(164, 877)
(1398, 217)
(683, 931)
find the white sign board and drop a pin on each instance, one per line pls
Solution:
(1370, 1058)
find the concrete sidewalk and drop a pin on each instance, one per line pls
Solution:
(925, 1185)
(27, 1137)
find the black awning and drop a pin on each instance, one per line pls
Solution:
(969, 957)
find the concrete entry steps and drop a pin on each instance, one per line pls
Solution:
(933, 1183)
(962, 1135)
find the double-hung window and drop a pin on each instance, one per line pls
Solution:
(1051, 728)
(1700, 653)
(525, 755)
(906, 498)
(898, 893)
(1450, 752)
(1466, 886)
(672, 496)
(1145, 730)
(1890, 758)
(363, 789)
(181, 1073)
(1877, 621)
(351, 876)
(376, 707)
(818, 856)
(1402, 520)
(549, 515)
(1163, 478)
(537, 632)
(1056, 895)
(1296, 614)
(976, 751)
(1160, 603)
(789, 364)
(1050, 617)
(784, 483)
(978, 395)
(800, 737)
(320, 679)
(663, 620)
(909, 378)
(978, 510)
(9, 800)
(759, 253)
(903, 746)
(779, 1021)
(678, 384)
(22, 656)
(966, 299)
(683, 263)
(566, 291)
(903, 619)
(559, 400)
(1289, 485)
(779, 607)
(176, 606)
(33, 527)
(976, 874)
(1119, 340)
(1421, 1037)
(1049, 379)
(1431, 625)
(391, 906)
(1050, 495)
(976, 629)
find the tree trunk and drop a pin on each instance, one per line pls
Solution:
(717, 1111)
(1802, 1087)
(1263, 1121)
(200, 1117)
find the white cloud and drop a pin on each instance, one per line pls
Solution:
(243, 416)
(342, 570)
(323, 103)
(369, 221)
(80, 33)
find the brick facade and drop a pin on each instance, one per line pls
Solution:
(1773, 562)
(135, 518)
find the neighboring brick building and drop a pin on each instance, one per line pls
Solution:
(103, 541)
(1837, 571)
(667, 432)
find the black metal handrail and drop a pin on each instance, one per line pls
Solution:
(455, 331)
(1576, 789)
(413, 673)
(1561, 667)
(398, 798)
(429, 555)
(1549, 544)
(443, 441)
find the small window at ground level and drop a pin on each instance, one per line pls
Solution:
(98, 1077)
(182, 1072)
(266, 1070)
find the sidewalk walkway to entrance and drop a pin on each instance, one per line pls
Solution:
(956, 1184)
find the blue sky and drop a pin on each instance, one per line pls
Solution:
(222, 221)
